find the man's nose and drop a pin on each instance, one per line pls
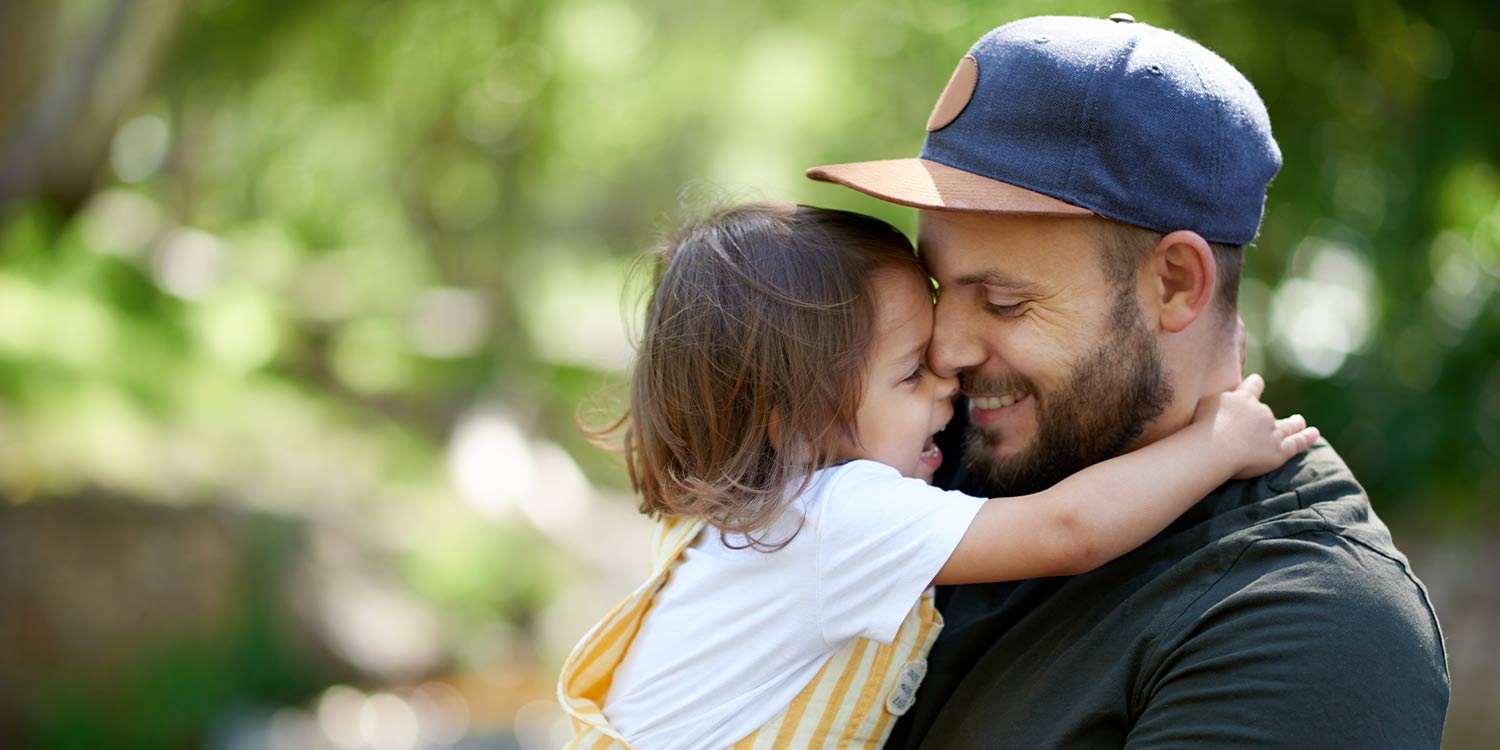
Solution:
(954, 347)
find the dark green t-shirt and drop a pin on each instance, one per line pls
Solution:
(1276, 613)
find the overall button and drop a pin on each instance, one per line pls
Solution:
(904, 693)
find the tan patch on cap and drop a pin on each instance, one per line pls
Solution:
(956, 94)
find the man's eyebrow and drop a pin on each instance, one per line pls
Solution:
(994, 277)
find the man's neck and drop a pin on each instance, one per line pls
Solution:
(1190, 384)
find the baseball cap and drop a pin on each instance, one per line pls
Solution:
(1069, 116)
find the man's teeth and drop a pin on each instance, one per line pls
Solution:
(996, 402)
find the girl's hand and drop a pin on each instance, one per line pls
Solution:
(1245, 430)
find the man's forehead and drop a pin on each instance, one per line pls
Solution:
(1007, 250)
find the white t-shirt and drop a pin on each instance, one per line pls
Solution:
(735, 634)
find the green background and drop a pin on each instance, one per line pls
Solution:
(273, 271)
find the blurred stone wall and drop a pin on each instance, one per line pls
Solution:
(112, 610)
(100, 595)
(1462, 574)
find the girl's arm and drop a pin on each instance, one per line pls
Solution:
(1110, 508)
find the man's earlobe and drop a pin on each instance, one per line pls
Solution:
(1184, 275)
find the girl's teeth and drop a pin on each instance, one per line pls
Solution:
(995, 402)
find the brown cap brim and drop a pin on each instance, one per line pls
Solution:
(927, 184)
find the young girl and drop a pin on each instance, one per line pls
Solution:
(781, 425)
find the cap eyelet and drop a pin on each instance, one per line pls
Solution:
(1154, 68)
(1043, 39)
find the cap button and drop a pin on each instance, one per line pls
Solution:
(1122, 18)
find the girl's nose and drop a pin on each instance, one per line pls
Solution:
(947, 386)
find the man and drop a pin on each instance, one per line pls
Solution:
(1086, 189)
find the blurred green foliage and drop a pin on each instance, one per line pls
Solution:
(278, 265)
(253, 254)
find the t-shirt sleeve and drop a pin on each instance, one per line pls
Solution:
(1319, 642)
(881, 539)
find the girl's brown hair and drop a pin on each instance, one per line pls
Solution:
(750, 366)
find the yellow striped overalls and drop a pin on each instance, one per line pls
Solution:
(849, 705)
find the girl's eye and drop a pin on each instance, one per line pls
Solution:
(915, 374)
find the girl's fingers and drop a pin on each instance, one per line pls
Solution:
(1290, 425)
(1299, 441)
(1252, 386)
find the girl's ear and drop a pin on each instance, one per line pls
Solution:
(773, 429)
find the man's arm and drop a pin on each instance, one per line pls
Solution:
(1315, 640)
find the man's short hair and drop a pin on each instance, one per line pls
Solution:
(1126, 247)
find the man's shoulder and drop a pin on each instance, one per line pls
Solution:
(1323, 483)
(1332, 573)
(1314, 494)
(1303, 538)
(1311, 547)
(1312, 589)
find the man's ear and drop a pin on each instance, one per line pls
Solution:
(1181, 276)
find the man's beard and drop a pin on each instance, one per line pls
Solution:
(1110, 397)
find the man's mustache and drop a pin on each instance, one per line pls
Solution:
(975, 383)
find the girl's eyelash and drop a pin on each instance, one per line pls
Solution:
(915, 375)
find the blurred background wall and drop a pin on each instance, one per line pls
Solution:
(299, 301)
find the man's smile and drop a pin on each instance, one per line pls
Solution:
(989, 410)
(995, 402)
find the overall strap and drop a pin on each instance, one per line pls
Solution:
(587, 674)
(673, 535)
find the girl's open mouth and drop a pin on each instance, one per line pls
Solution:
(931, 455)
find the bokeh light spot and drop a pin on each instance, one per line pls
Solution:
(140, 148)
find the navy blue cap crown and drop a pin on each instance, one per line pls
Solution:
(1132, 122)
